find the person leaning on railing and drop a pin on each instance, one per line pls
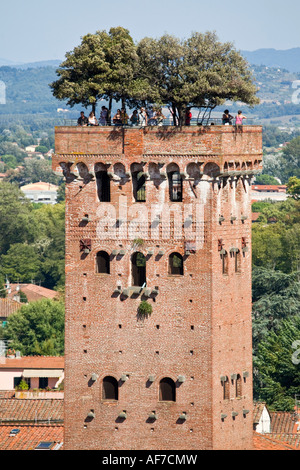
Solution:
(82, 120)
(92, 119)
(134, 118)
(227, 118)
(103, 116)
(117, 119)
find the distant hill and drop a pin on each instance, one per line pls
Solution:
(27, 92)
(33, 65)
(9, 63)
(288, 59)
(30, 65)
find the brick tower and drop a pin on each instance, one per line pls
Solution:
(158, 217)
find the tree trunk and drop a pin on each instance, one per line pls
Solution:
(174, 114)
(109, 111)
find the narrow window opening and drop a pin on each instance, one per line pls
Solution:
(224, 258)
(226, 389)
(139, 186)
(138, 269)
(110, 390)
(237, 261)
(176, 264)
(175, 186)
(238, 386)
(167, 390)
(103, 186)
(102, 263)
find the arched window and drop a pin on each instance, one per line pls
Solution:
(139, 186)
(103, 186)
(238, 386)
(110, 389)
(167, 390)
(138, 262)
(226, 388)
(175, 186)
(176, 264)
(102, 263)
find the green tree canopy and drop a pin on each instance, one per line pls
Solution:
(276, 237)
(291, 160)
(266, 179)
(21, 263)
(37, 329)
(277, 366)
(275, 296)
(293, 187)
(34, 171)
(102, 66)
(16, 217)
(197, 72)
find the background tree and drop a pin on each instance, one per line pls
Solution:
(277, 373)
(21, 263)
(16, 215)
(275, 297)
(276, 236)
(37, 329)
(265, 179)
(293, 187)
(291, 160)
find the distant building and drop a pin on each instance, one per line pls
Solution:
(269, 192)
(39, 372)
(7, 308)
(261, 418)
(32, 292)
(45, 193)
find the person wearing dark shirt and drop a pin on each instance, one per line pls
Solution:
(227, 118)
(82, 120)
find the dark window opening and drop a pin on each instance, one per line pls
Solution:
(138, 269)
(43, 382)
(139, 186)
(110, 389)
(102, 264)
(167, 390)
(176, 264)
(175, 186)
(103, 186)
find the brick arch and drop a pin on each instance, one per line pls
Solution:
(211, 169)
(171, 167)
(120, 170)
(66, 169)
(193, 170)
(83, 171)
(153, 170)
(99, 166)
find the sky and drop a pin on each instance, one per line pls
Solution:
(35, 30)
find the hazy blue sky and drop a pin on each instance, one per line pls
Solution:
(33, 30)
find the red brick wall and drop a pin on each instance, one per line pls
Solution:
(200, 326)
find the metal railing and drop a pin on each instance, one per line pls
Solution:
(166, 122)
